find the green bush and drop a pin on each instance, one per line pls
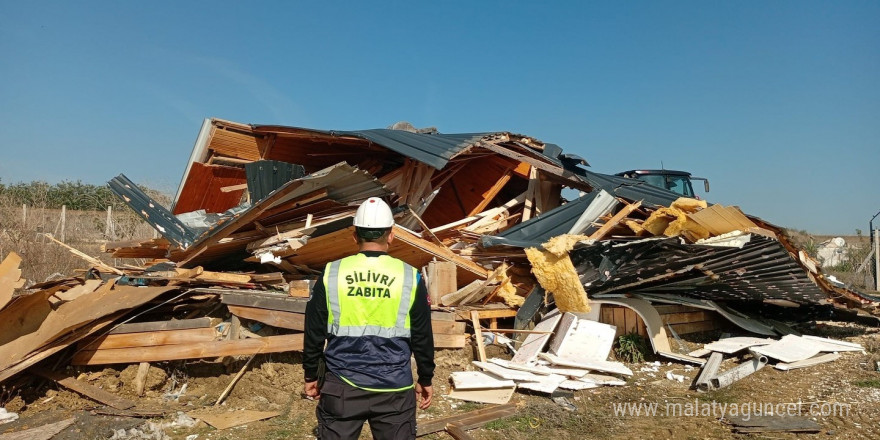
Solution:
(631, 348)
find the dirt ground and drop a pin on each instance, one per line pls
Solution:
(850, 386)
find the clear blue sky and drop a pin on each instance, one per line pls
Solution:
(778, 103)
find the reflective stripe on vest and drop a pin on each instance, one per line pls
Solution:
(363, 284)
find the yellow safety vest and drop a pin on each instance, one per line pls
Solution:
(369, 296)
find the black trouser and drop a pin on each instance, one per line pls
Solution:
(343, 409)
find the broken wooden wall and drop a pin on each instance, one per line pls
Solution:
(683, 319)
(474, 186)
(207, 182)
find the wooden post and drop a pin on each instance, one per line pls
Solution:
(63, 220)
(877, 259)
(108, 228)
(478, 335)
(23, 215)
(140, 381)
(442, 280)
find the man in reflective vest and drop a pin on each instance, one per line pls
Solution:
(373, 312)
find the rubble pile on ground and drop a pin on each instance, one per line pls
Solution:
(503, 226)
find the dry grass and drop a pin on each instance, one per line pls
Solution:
(858, 249)
(23, 233)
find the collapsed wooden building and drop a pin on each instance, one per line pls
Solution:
(502, 225)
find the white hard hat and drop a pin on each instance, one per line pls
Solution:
(373, 213)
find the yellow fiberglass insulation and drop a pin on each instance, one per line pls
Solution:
(557, 275)
(506, 290)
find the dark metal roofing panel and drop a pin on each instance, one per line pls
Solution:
(761, 269)
(434, 149)
(265, 176)
(535, 231)
(155, 214)
(630, 189)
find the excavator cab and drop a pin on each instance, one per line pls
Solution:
(675, 181)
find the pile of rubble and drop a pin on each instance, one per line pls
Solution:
(504, 226)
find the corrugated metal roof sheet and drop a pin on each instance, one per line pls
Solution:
(761, 269)
(630, 189)
(432, 149)
(152, 212)
(537, 230)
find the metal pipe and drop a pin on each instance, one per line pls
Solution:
(877, 259)
(740, 371)
(710, 369)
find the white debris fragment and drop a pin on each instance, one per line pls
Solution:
(6, 416)
(676, 377)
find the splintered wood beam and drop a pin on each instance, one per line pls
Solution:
(140, 381)
(91, 260)
(92, 392)
(425, 227)
(275, 318)
(543, 166)
(530, 209)
(232, 188)
(177, 324)
(152, 338)
(478, 335)
(440, 252)
(615, 220)
(468, 420)
(489, 195)
(268, 344)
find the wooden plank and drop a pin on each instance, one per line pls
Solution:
(58, 345)
(447, 327)
(77, 291)
(468, 420)
(456, 432)
(140, 380)
(535, 163)
(695, 327)
(478, 335)
(91, 260)
(441, 280)
(453, 298)
(444, 340)
(488, 314)
(231, 419)
(299, 288)
(275, 318)
(615, 220)
(9, 275)
(85, 389)
(620, 321)
(683, 318)
(224, 277)
(231, 188)
(153, 326)
(21, 335)
(45, 432)
(151, 339)
(265, 301)
(268, 344)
